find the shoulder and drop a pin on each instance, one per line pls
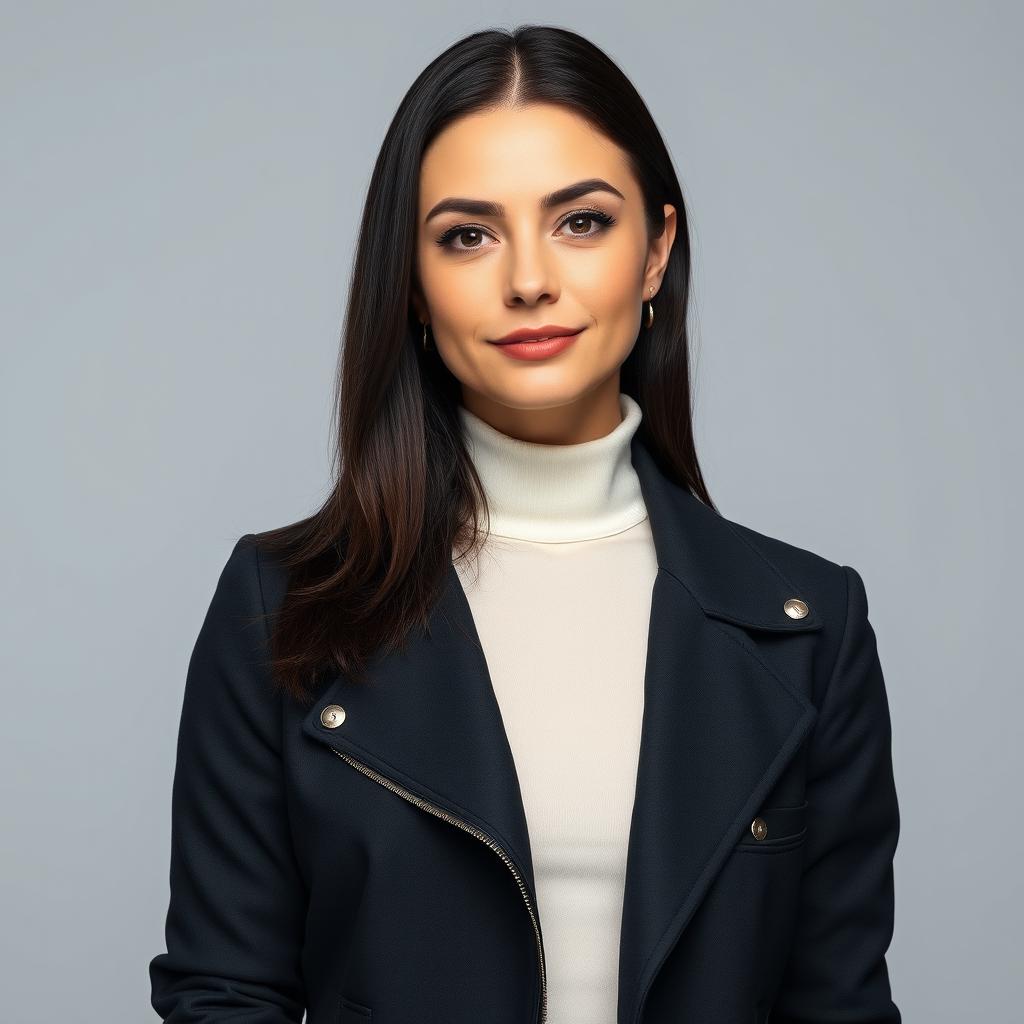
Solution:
(253, 574)
(836, 590)
(806, 566)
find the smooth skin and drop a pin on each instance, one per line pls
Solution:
(532, 265)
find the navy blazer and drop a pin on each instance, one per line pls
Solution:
(367, 857)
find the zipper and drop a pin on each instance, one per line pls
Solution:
(483, 837)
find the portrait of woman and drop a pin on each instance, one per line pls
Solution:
(518, 727)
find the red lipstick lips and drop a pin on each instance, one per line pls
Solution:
(537, 333)
(537, 342)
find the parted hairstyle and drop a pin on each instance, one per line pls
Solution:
(365, 568)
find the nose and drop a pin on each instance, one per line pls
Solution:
(531, 273)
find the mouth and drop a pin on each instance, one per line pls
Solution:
(536, 334)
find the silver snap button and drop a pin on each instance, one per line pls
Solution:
(795, 608)
(332, 716)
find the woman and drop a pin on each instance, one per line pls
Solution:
(518, 671)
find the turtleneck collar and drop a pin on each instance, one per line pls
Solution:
(558, 492)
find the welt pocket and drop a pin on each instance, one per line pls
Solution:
(352, 1012)
(779, 828)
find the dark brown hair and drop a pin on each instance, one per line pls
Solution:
(365, 568)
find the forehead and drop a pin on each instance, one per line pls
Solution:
(518, 155)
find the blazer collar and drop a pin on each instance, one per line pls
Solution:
(728, 577)
(427, 721)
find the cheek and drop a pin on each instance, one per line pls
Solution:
(611, 298)
(455, 307)
(614, 299)
(607, 280)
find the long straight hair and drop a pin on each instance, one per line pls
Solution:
(366, 567)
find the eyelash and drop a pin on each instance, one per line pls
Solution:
(605, 219)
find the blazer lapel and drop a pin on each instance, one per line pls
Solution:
(719, 726)
(427, 718)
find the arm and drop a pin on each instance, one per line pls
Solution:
(237, 904)
(837, 970)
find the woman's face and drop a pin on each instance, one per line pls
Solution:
(523, 262)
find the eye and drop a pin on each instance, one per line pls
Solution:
(460, 229)
(572, 219)
(588, 216)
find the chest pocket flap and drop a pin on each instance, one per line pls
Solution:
(773, 827)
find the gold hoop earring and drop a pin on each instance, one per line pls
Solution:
(650, 310)
(424, 337)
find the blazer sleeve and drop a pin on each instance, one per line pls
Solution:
(236, 914)
(837, 969)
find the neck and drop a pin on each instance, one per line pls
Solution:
(557, 493)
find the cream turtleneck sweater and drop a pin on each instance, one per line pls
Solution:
(561, 599)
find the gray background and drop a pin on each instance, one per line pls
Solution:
(181, 188)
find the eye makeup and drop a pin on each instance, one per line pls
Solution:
(589, 213)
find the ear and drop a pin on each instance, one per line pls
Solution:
(419, 304)
(658, 254)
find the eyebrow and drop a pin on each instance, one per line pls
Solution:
(485, 208)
